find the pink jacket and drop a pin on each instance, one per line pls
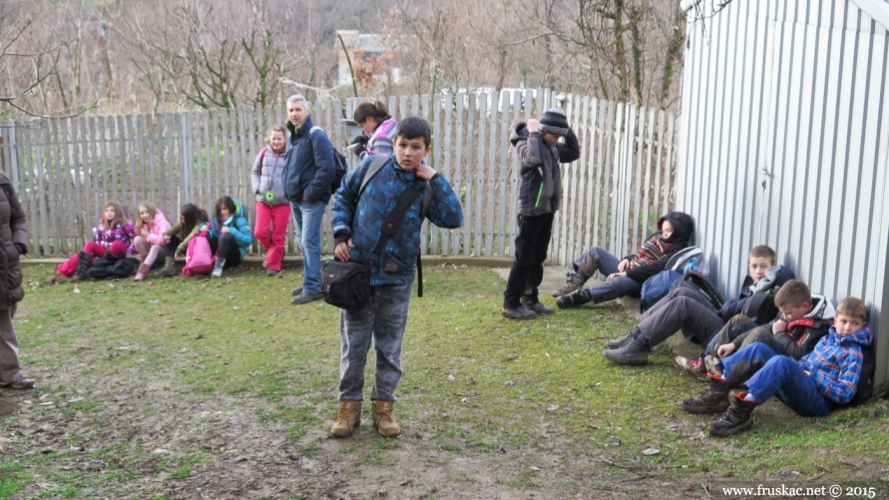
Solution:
(154, 232)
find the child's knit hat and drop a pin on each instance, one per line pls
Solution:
(554, 122)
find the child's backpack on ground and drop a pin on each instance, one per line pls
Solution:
(111, 267)
(866, 379)
(199, 257)
(702, 284)
(658, 286)
(339, 162)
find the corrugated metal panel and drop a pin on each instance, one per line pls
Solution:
(784, 142)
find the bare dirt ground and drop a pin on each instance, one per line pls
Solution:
(148, 438)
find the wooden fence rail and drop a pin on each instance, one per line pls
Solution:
(66, 169)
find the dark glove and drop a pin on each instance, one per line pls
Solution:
(22, 248)
(361, 144)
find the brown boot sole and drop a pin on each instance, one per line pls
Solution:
(336, 435)
(381, 433)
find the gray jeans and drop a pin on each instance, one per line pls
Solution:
(383, 319)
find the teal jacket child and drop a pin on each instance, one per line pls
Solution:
(238, 227)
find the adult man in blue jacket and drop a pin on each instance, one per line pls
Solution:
(309, 170)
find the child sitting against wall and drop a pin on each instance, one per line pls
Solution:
(814, 385)
(626, 276)
(688, 309)
(150, 227)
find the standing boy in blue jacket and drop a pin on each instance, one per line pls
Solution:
(357, 221)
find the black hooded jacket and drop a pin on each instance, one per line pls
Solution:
(683, 229)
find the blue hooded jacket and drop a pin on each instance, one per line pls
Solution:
(361, 218)
(309, 165)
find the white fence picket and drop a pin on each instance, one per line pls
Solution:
(66, 169)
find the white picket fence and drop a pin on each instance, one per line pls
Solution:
(66, 169)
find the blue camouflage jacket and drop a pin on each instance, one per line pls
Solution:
(361, 219)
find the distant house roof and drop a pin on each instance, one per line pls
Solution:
(370, 44)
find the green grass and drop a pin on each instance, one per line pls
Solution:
(534, 387)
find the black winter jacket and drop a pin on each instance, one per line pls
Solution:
(540, 192)
(683, 230)
(309, 165)
(776, 277)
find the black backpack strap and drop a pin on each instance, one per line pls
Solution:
(390, 225)
(427, 200)
(375, 166)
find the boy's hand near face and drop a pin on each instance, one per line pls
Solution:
(424, 172)
(533, 126)
(779, 327)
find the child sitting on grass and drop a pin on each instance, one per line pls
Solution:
(626, 276)
(811, 386)
(689, 309)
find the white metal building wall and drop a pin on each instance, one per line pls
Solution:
(784, 142)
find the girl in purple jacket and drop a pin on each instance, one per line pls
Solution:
(113, 233)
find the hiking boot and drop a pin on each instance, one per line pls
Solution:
(575, 283)
(633, 353)
(296, 291)
(22, 383)
(711, 364)
(305, 298)
(142, 272)
(574, 299)
(84, 261)
(348, 418)
(169, 268)
(518, 313)
(532, 304)
(693, 366)
(738, 418)
(619, 342)
(713, 400)
(217, 268)
(271, 273)
(384, 418)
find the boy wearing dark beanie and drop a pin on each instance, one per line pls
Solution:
(540, 153)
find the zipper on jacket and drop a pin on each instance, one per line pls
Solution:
(539, 193)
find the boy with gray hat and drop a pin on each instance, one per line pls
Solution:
(540, 152)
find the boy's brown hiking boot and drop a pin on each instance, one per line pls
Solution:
(712, 400)
(532, 304)
(348, 418)
(574, 283)
(384, 418)
(738, 418)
